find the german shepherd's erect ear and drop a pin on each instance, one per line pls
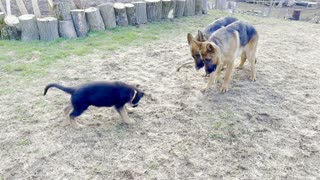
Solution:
(201, 37)
(210, 48)
(190, 38)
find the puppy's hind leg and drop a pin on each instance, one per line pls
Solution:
(66, 111)
(123, 113)
(77, 111)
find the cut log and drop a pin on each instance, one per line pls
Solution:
(154, 10)
(131, 14)
(107, 13)
(29, 28)
(94, 19)
(168, 8)
(62, 10)
(36, 8)
(79, 21)
(198, 7)
(232, 6)
(48, 28)
(121, 14)
(66, 29)
(189, 8)
(179, 9)
(22, 7)
(141, 12)
(10, 29)
(204, 7)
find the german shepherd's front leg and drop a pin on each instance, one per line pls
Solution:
(212, 78)
(227, 77)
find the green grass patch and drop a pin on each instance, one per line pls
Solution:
(24, 142)
(31, 59)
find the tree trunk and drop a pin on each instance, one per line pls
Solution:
(198, 7)
(141, 12)
(179, 10)
(66, 29)
(29, 28)
(2, 8)
(131, 14)
(154, 10)
(62, 10)
(94, 19)
(36, 8)
(121, 14)
(48, 28)
(220, 4)
(80, 23)
(22, 7)
(204, 7)
(168, 8)
(189, 8)
(107, 13)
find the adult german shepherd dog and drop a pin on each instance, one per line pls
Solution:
(222, 48)
(203, 36)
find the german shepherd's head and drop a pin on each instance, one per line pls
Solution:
(210, 56)
(195, 43)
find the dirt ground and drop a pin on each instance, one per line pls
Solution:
(268, 129)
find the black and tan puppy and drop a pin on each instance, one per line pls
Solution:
(222, 48)
(204, 36)
(99, 94)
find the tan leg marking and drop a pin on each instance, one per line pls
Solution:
(242, 61)
(227, 77)
(124, 116)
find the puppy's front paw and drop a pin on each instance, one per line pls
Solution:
(129, 122)
(239, 67)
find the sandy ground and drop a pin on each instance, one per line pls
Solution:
(268, 129)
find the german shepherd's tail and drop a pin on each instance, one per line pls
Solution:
(68, 90)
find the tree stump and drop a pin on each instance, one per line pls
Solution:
(62, 10)
(204, 7)
(107, 13)
(29, 28)
(232, 7)
(189, 8)
(154, 10)
(94, 19)
(198, 7)
(131, 14)
(179, 10)
(48, 28)
(141, 12)
(168, 8)
(121, 14)
(10, 28)
(80, 23)
(66, 29)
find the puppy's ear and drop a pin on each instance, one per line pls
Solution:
(190, 38)
(210, 48)
(201, 37)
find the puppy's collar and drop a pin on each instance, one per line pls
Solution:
(134, 95)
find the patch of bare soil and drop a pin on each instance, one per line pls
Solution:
(268, 129)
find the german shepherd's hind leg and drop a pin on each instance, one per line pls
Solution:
(227, 77)
(243, 60)
(123, 113)
(251, 53)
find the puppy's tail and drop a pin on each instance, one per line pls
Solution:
(68, 90)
